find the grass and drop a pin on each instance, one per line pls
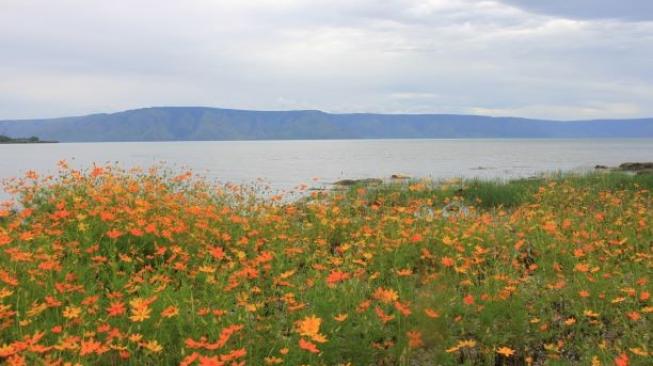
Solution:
(492, 194)
(146, 268)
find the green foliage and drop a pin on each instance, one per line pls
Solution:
(109, 267)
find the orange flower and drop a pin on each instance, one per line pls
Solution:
(88, 347)
(404, 309)
(386, 295)
(505, 351)
(414, 339)
(363, 306)
(216, 252)
(634, 316)
(4, 239)
(382, 315)
(97, 171)
(447, 262)
(16, 360)
(310, 327)
(224, 337)
(107, 216)
(170, 311)
(210, 361)
(136, 232)
(431, 313)
(622, 360)
(582, 267)
(336, 276)
(468, 300)
(114, 234)
(116, 308)
(405, 272)
(308, 346)
(550, 227)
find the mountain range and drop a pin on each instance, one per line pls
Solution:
(203, 123)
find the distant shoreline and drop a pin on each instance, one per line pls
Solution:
(203, 123)
(371, 139)
(24, 140)
(28, 142)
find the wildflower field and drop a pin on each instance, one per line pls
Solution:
(113, 267)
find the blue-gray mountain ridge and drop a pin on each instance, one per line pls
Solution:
(203, 123)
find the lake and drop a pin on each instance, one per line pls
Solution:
(286, 164)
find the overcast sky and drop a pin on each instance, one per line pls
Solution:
(559, 59)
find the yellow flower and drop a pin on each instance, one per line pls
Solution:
(617, 300)
(505, 351)
(140, 314)
(136, 337)
(570, 321)
(590, 314)
(273, 360)
(36, 309)
(386, 295)
(310, 327)
(207, 269)
(639, 352)
(470, 343)
(5, 292)
(72, 312)
(153, 346)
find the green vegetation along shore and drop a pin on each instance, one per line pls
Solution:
(20, 140)
(146, 268)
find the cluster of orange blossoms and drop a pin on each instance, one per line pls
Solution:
(140, 267)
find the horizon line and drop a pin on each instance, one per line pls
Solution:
(324, 112)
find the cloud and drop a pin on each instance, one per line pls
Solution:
(398, 56)
(633, 10)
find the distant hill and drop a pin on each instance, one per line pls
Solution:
(200, 123)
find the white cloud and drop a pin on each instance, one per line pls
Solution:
(413, 56)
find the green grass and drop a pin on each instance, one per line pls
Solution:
(555, 269)
(499, 193)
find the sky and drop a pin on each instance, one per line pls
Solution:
(554, 59)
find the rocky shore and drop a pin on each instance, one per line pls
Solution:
(630, 167)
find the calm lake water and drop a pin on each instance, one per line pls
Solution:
(285, 164)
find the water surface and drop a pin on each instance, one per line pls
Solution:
(285, 164)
